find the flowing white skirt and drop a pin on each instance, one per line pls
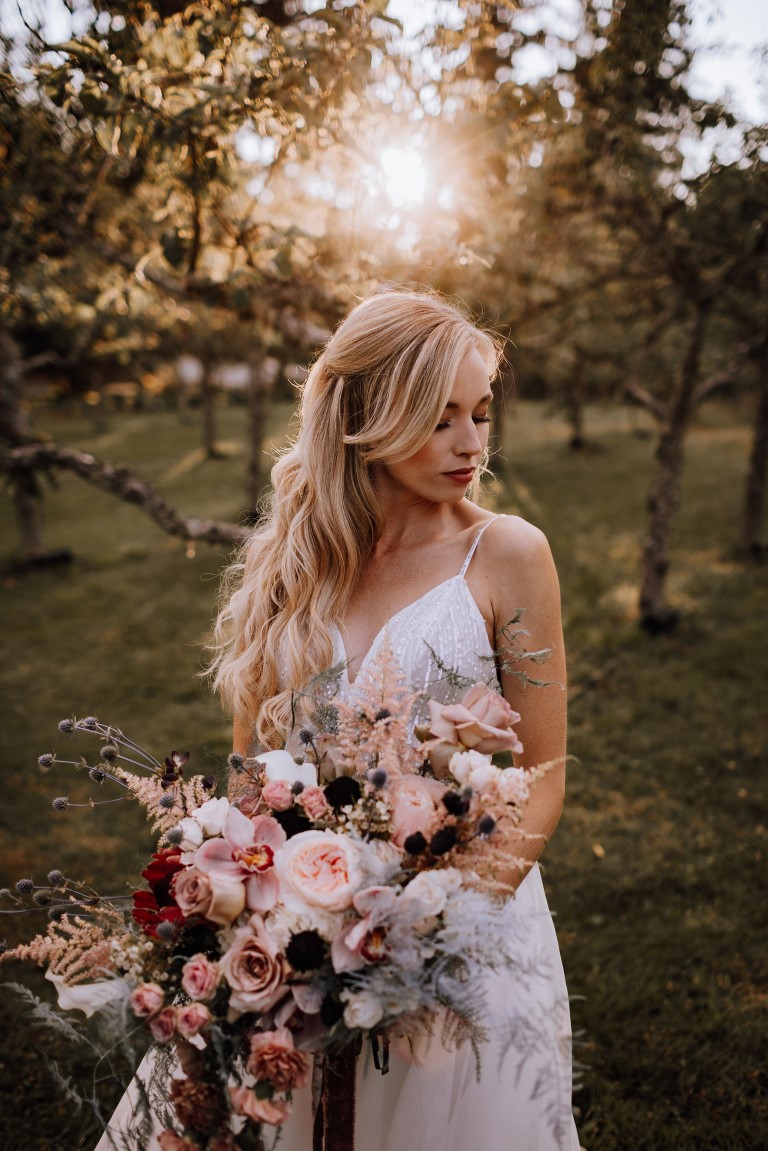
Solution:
(522, 1099)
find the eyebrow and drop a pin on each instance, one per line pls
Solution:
(483, 400)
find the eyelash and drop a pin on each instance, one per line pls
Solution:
(475, 419)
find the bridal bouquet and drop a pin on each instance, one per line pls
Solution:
(351, 892)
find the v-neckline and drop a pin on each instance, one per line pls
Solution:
(391, 620)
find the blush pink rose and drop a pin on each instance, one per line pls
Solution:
(218, 898)
(483, 721)
(162, 1026)
(313, 800)
(147, 1000)
(415, 808)
(191, 1019)
(277, 794)
(321, 868)
(254, 969)
(200, 977)
(272, 1111)
(274, 1057)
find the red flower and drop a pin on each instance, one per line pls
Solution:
(156, 906)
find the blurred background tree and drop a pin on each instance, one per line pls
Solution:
(223, 181)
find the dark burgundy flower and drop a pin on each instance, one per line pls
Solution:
(455, 803)
(292, 821)
(306, 951)
(415, 843)
(342, 792)
(174, 768)
(443, 840)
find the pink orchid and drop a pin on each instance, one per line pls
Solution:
(364, 940)
(246, 851)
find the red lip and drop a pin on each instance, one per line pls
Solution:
(463, 476)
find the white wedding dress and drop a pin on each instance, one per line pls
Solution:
(522, 1099)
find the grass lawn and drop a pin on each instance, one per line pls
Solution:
(657, 872)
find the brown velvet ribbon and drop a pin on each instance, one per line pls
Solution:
(334, 1128)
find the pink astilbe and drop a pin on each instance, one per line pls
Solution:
(149, 791)
(374, 726)
(76, 949)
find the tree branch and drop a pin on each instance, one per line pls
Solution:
(633, 389)
(724, 376)
(122, 482)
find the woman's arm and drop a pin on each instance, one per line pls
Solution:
(522, 577)
(238, 785)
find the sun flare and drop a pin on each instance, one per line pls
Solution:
(405, 176)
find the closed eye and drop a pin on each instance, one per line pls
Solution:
(475, 420)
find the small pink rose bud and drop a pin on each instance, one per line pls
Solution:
(191, 1019)
(200, 977)
(147, 1000)
(313, 800)
(277, 794)
(162, 1026)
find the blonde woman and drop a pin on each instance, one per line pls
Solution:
(373, 529)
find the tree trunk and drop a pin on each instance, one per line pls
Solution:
(664, 498)
(754, 501)
(263, 374)
(15, 432)
(208, 403)
(574, 404)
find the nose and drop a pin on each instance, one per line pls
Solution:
(469, 442)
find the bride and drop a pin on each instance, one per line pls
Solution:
(373, 535)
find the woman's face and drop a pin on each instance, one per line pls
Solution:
(442, 469)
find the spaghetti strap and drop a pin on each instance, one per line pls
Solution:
(475, 542)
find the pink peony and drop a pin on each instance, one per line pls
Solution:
(321, 868)
(415, 802)
(147, 1000)
(273, 1057)
(200, 977)
(253, 968)
(313, 800)
(277, 794)
(482, 721)
(246, 852)
(245, 1102)
(215, 897)
(191, 1019)
(162, 1026)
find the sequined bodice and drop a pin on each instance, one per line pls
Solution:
(440, 641)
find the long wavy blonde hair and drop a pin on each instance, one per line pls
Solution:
(372, 397)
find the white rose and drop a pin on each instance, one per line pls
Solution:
(282, 765)
(432, 888)
(211, 815)
(513, 785)
(484, 779)
(192, 837)
(362, 1010)
(464, 762)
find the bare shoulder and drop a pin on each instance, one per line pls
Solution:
(514, 545)
(518, 571)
